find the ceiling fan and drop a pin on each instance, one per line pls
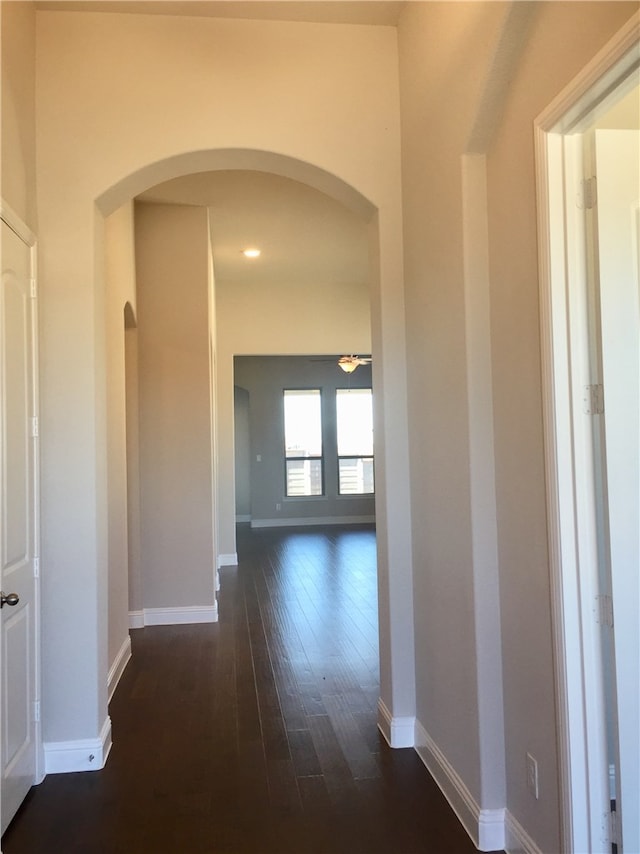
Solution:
(350, 363)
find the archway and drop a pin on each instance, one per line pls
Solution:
(396, 642)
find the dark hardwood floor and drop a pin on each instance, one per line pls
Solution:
(256, 734)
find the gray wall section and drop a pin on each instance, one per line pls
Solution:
(242, 438)
(265, 378)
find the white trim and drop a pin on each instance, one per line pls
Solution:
(518, 840)
(82, 754)
(312, 520)
(136, 619)
(117, 668)
(173, 616)
(583, 783)
(16, 224)
(244, 517)
(485, 827)
(399, 731)
(230, 559)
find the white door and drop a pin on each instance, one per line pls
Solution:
(18, 524)
(617, 158)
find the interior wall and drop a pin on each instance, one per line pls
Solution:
(176, 521)
(447, 53)
(555, 53)
(120, 281)
(17, 129)
(242, 453)
(265, 378)
(191, 92)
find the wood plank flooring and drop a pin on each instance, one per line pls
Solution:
(256, 734)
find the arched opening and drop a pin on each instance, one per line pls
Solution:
(121, 194)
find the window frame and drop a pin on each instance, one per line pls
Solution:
(320, 457)
(371, 456)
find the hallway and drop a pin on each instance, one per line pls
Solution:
(255, 734)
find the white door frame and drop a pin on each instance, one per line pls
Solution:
(568, 450)
(15, 223)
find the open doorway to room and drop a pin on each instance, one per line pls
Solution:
(589, 182)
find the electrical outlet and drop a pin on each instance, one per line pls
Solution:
(278, 507)
(532, 775)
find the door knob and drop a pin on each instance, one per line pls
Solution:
(9, 599)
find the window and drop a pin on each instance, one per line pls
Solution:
(303, 442)
(354, 423)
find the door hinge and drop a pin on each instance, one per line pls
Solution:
(614, 829)
(593, 400)
(588, 195)
(33, 288)
(36, 567)
(36, 711)
(35, 427)
(605, 610)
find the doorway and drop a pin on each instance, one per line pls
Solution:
(590, 328)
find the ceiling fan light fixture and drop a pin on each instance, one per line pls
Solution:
(348, 364)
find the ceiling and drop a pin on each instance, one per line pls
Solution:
(306, 237)
(371, 12)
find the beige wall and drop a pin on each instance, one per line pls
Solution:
(464, 91)
(551, 58)
(176, 522)
(143, 99)
(120, 290)
(17, 129)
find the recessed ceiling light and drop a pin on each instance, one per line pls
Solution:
(251, 253)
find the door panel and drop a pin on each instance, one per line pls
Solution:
(17, 523)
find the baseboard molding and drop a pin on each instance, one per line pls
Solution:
(117, 668)
(398, 731)
(518, 840)
(299, 522)
(173, 616)
(230, 559)
(82, 754)
(243, 518)
(485, 827)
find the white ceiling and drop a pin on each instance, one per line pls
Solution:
(372, 12)
(306, 237)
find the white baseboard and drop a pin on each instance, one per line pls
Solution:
(243, 518)
(173, 616)
(136, 619)
(398, 731)
(230, 559)
(518, 840)
(312, 520)
(485, 827)
(82, 754)
(117, 668)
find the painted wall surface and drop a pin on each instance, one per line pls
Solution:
(459, 74)
(120, 282)
(444, 53)
(176, 530)
(17, 129)
(265, 378)
(318, 102)
(551, 58)
(242, 452)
